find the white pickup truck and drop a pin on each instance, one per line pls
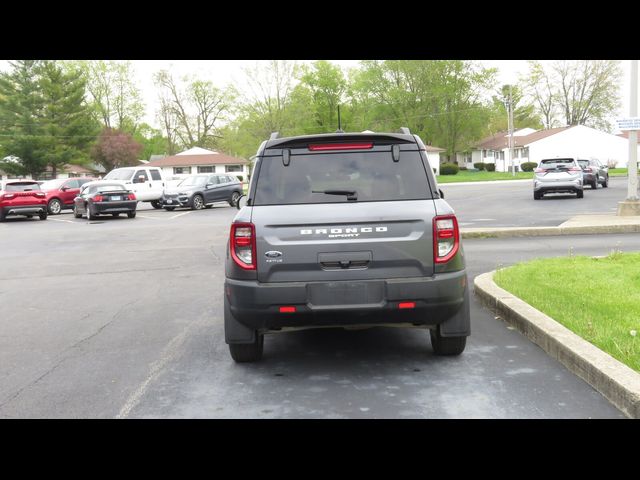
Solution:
(146, 182)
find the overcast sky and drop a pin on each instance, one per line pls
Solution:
(223, 72)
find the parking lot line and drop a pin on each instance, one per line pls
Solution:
(152, 218)
(180, 214)
(61, 220)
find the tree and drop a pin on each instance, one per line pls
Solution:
(66, 121)
(20, 109)
(117, 100)
(151, 139)
(192, 113)
(115, 149)
(325, 86)
(583, 92)
(524, 114)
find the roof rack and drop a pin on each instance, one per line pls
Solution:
(404, 131)
(274, 135)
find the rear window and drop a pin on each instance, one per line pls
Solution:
(155, 174)
(119, 174)
(557, 162)
(372, 176)
(22, 187)
(583, 163)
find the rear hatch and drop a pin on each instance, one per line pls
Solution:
(23, 194)
(558, 169)
(343, 214)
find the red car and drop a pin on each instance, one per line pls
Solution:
(22, 197)
(61, 192)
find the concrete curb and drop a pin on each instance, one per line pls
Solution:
(613, 379)
(546, 231)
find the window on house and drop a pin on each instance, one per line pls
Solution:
(232, 168)
(208, 169)
(182, 170)
(525, 152)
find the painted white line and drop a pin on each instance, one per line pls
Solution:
(483, 219)
(180, 214)
(152, 218)
(60, 220)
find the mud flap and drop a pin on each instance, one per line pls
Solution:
(458, 325)
(234, 331)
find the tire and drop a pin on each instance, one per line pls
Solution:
(594, 184)
(43, 215)
(2, 215)
(197, 202)
(605, 184)
(156, 204)
(208, 206)
(54, 207)
(131, 214)
(29, 216)
(115, 215)
(233, 201)
(537, 196)
(247, 352)
(169, 209)
(446, 345)
(90, 216)
(75, 212)
(580, 194)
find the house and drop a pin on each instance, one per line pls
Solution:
(531, 145)
(68, 171)
(433, 154)
(199, 160)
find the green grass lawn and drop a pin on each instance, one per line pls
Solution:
(596, 298)
(618, 172)
(482, 176)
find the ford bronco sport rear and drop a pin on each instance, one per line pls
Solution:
(342, 230)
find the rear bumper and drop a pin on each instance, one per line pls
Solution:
(558, 187)
(437, 300)
(114, 207)
(24, 210)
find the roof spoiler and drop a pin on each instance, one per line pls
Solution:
(404, 131)
(274, 135)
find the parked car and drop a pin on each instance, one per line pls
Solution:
(202, 191)
(594, 173)
(146, 182)
(104, 197)
(22, 197)
(344, 230)
(61, 193)
(557, 175)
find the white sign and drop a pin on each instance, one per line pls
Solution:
(631, 123)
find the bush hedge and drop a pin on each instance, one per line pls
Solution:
(479, 165)
(528, 166)
(449, 169)
(491, 167)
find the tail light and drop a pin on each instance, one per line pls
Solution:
(446, 238)
(587, 169)
(40, 195)
(132, 196)
(576, 169)
(8, 196)
(540, 170)
(243, 245)
(98, 198)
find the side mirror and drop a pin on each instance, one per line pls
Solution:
(441, 193)
(242, 202)
(209, 185)
(64, 189)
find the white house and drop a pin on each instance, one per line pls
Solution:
(433, 154)
(199, 160)
(532, 146)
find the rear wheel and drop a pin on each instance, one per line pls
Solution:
(197, 203)
(90, 216)
(155, 204)
(43, 215)
(247, 352)
(605, 184)
(594, 184)
(131, 214)
(169, 209)
(75, 212)
(54, 207)
(446, 345)
(537, 195)
(580, 194)
(2, 215)
(233, 201)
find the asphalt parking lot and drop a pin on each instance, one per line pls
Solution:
(122, 318)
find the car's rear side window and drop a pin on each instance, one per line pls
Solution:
(373, 176)
(155, 174)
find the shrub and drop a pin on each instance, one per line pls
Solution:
(528, 166)
(449, 169)
(463, 168)
(479, 165)
(612, 163)
(491, 167)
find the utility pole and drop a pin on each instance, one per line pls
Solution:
(631, 206)
(510, 130)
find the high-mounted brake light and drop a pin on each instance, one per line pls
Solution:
(242, 245)
(288, 309)
(403, 305)
(446, 238)
(340, 146)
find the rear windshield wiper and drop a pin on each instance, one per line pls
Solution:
(351, 194)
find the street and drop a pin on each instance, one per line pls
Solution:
(122, 318)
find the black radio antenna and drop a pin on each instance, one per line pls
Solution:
(339, 122)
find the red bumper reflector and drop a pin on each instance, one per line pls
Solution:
(407, 305)
(287, 309)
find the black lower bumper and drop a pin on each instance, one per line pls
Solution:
(114, 207)
(430, 300)
(24, 210)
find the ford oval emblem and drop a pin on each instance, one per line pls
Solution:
(273, 254)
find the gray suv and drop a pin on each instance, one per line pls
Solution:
(557, 175)
(344, 230)
(202, 191)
